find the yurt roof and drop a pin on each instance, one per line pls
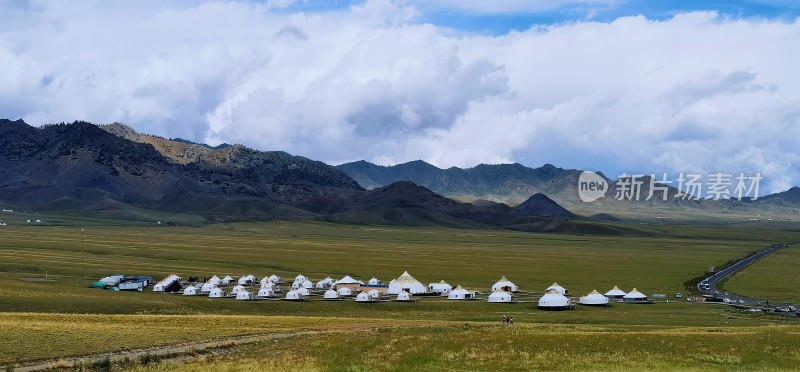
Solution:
(615, 292)
(635, 294)
(553, 299)
(406, 278)
(555, 285)
(348, 280)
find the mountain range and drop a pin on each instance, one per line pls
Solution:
(86, 168)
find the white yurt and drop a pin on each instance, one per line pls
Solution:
(227, 280)
(300, 278)
(501, 296)
(325, 283)
(307, 284)
(345, 292)
(553, 300)
(348, 281)
(634, 296)
(406, 283)
(330, 295)
(252, 278)
(504, 285)
(374, 281)
(216, 293)
(556, 287)
(594, 299)
(405, 297)
(236, 289)
(269, 285)
(244, 295)
(215, 280)
(616, 293)
(207, 287)
(364, 297)
(442, 288)
(376, 294)
(244, 281)
(294, 296)
(303, 291)
(190, 291)
(274, 278)
(460, 294)
(265, 292)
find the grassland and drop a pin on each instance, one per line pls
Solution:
(47, 270)
(774, 277)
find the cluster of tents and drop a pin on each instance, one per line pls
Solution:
(404, 288)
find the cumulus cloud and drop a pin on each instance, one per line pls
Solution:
(699, 92)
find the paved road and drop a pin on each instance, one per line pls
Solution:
(709, 285)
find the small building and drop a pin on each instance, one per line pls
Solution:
(441, 288)
(331, 294)
(294, 296)
(275, 279)
(636, 297)
(325, 283)
(365, 297)
(227, 280)
(615, 293)
(504, 285)
(407, 283)
(215, 280)
(190, 291)
(303, 291)
(300, 278)
(216, 293)
(461, 294)
(132, 285)
(374, 281)
(307, 284)
(345, 292)
(265, 292)
(236, 289)
(245, 280)
(374, 293)
(501, 297)
(349, 282)
(556, 287)
(244, 295)
(207, 287)
(553, 300)
(404, 297)
(112, 280)
(594, 299)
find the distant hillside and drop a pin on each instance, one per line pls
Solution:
(82, 167)
(542, 206)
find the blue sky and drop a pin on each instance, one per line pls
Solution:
(522, 15)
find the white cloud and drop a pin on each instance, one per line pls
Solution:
(695, 93)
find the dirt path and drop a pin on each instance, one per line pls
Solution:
(159, 351)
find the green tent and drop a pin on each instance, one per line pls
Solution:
(98, 285)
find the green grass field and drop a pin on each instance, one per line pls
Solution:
(774, 277)
(659, 259)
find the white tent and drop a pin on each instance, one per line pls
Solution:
(303, 291)
(442, 288)
(207, 287)
(325, 283)
(635, 296)
(216, 293)
(404, 297)
(555, 287)
(190, 291)
(252, 278)
(215, 280)
(504, 285)
(344, 292)
(244, 281)
(236, 289)
(615, 293)
(300, 278)
(553, 300)
(227, 280)
(460, 294)
(374, 281)
(294, 296)
(406, 283)
(244, 295)
(296, 285)
(594, 299)
(501, 296)
(265, 292)
(331, 295)
(307, 284)
(348, 280)
(374, 294)
(274, 278)
(364, 297)
(268, 285)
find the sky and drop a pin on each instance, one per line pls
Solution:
(607, 85)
